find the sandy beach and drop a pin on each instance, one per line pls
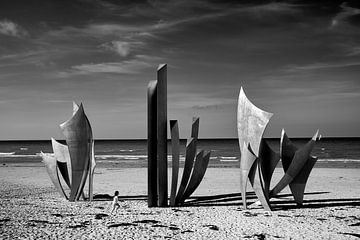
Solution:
(32, 209)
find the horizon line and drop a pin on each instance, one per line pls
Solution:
(169, 139)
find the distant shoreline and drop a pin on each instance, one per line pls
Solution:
(321, 163)
(183, 139)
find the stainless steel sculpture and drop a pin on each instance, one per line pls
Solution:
(152, 145)
(268, 160)
(297, 165)
(51, 167)
(258, 160)
(175, 147)
(162, 135)
(194, 168)
(77, 157)
(157, 140)
(157, 150)
(61, 153)
(200, 166)
(251, 124)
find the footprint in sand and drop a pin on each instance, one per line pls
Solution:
(146, 221)
(100, 215)
(249, 214)
(124, 224)
(212, 227)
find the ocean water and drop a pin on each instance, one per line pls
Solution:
(332, 152)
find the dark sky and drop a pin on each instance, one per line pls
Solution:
(297, 59)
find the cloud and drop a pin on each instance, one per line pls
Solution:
(133, 66)
(122, 48)
(10, 28)
(216, 107)
(119, 47)
(353, 51)
(253, 10)
(345, 14)
(319, 66)
(126, 67)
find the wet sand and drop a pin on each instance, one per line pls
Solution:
(32, 209)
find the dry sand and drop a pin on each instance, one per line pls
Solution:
(32, 209)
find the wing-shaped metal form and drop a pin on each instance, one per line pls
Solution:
(189, 162)
(63, 168)
(78, 137)
(193, 173)
(152, 144)
(175, 149)
(92, 163)
(51, 168)
(300, 157)
(257, 184)
(200, 166)
(297, 186)
(287, 150)
(246, 162)
(92, 170)
(251, 123)
(75, 108)
(195, 128)
(61, 153)
(268, 160)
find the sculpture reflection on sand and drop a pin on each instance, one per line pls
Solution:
(195, 164)
(258, 160)
(74, 161)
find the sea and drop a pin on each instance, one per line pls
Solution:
(331, 152)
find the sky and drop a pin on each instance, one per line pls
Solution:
(297, 59)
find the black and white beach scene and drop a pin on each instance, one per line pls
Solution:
(194, 119)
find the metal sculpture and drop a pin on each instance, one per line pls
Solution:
(175, 147)
(157, 150)
(258, 160)
(157, 139)
(251, 124)
(76, 160)
(152, 144)
(200, 166)
(297, 165)
(51, 167)
(61, 153)
(268, 160)
(194, 168)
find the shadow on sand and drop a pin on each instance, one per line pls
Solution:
(281, 202)
(107, 197)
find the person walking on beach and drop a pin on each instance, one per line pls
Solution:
(115, 202)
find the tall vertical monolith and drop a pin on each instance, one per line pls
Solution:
(162, 135)
(152, 144)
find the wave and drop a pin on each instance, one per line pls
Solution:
(19, 156)
(339, 160)
(131, 157)
(143, 157)
(6, 153)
